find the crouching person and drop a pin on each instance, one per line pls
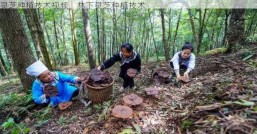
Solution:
(59, 82)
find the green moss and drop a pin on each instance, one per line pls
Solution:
(216, 51)
(187, 124)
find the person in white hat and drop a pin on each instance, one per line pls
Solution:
(59, 80)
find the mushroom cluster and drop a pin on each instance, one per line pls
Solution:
(123, 112)
(131, 72)
(99, 78)
(65, 105)
(184, 79)
(132, 99)
(161, 75)
(151, 91)
(50, 90)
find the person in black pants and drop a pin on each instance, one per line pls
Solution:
(128, 59)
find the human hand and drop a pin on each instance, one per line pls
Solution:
(78, 80)
(178, 77)
(99, 68)
(186, 74)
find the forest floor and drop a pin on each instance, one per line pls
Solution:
(220, 101)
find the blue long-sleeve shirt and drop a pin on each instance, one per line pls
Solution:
(65, 90)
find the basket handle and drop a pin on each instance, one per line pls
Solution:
(81, 94)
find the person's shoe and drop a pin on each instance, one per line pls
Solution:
(134, 88)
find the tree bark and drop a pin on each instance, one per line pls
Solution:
(37, 35)
(49, 41)
(176, 33)
(227, 13)
(74, 40)
(62, 24)
(102, 37)
(193, 29)
(98, 37)
(8, 55)
(235, 35)
(89, 39)
(18, 45)
(57, 42)
(152, 33)
(166, 47)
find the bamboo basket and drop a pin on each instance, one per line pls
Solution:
(99, 94)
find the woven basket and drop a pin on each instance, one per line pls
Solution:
(99, 94)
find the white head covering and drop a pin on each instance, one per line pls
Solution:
(36, 69)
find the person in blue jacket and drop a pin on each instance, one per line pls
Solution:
(44, 77)
(128, 59)
(184, 59)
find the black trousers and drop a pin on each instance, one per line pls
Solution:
(128, 81)
(182, 68)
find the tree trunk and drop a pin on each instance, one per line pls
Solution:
(176, 33)
(49, 41)
(227, 13)
(114, 33)
(18, 44)
(62, 24)
(8, 55)
(98, 37)
(74, 40)
(33, 31)
(166, 47)
(57, 43)
(37, 35)
(102, 37)
(193, 30)
(2, 69)
(235, 36)
(250, 29)
(89, 39)
(125, 26)
(170, 28)
(3, 62)
(152, 33)
(202, 27)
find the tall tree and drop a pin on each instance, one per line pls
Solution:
(51, 46)
(235, 35)
(166, 47)
(62, 25)
(227, 13)
(8, 55)
(73, 33)
(193, 29)
(18, 45)
(102, 36)
(57, 41)
(176, 32)
(98, 36)
(2, 69)
(89, 39)
(37, 34)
